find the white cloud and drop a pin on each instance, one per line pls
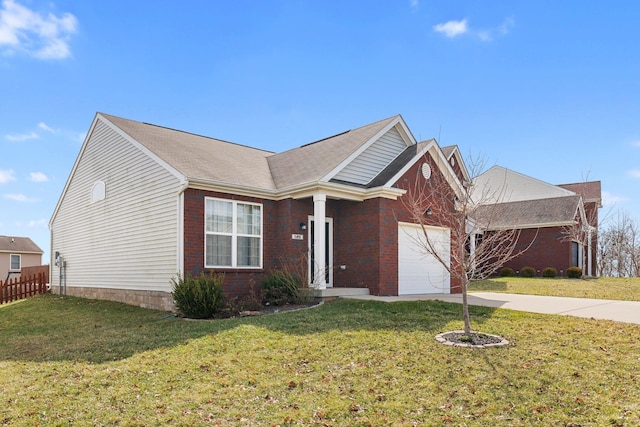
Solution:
(37, 223)
(22, 136)
(414, 4)
(452, 28)
(38, 177)
(636, 143)
(19, 198)
(506, 26)
(44, 126)
(7, 176)
(612, 199)
(39, 35)
(634, 173)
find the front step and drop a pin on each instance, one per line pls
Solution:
(331, 293)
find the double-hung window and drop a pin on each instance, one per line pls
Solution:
(233, 234)
(14, 263)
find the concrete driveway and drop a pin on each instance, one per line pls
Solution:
(620, 311)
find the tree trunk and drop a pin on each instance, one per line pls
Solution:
(465, 308)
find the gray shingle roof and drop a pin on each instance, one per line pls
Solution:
(15, 244)
(192, 155)
(235, 164)
(557, 210)
(313, 161)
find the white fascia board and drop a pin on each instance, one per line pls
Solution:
(530, 178)
(405, 133)
(460, 160)
(527, 226)
(341, 192)
(173, 171)
(100, 117)
(6, 251)
(225, 187)
(440, 159)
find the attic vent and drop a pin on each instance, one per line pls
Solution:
(98, 191)
(426, 170)
(453, 161)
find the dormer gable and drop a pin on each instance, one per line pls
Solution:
(373, 156)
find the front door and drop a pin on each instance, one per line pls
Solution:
(328, 252)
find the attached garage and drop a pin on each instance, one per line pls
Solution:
(419, 272)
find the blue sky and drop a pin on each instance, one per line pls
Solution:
(550, 89)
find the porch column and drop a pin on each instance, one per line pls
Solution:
(319, 239)
(472, 250)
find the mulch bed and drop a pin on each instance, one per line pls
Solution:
(478, 339)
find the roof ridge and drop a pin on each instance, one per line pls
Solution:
(189, 133)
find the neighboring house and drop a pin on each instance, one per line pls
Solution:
(557, 223)
(144, 203)
(16, 253)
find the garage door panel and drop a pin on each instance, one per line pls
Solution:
(418, 271)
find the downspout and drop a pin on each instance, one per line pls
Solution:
(180, 230)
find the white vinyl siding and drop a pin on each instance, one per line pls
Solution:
(373, 159)
(233, 234)
(129, 239)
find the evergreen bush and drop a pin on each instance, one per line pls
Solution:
(574, 272)
(198, 297)
(549, 272)
(507, 272)
(528, 272)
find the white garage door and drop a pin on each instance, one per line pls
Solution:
(419, 272)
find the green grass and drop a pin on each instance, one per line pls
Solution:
(71, 361)
(615, 288)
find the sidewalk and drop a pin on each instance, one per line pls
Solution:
(620, 311)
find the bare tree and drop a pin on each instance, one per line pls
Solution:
(619, 247)
(480, 245)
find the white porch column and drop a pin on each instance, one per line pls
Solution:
(472, 250)
(319, 240)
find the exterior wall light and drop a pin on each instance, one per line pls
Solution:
(303, 226)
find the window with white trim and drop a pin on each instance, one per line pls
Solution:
(14, 263)
(233, 234)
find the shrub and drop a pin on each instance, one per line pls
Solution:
(549, 272)
(281, 288)
(528, 272)
(198, 297)
(574, 272)
(507, 272)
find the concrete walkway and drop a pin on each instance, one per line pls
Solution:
(620, 311)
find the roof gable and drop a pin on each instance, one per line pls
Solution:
(18, 245)
(374, 159)
(321, 160)
(501, 185)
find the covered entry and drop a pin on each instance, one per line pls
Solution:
(419, 272)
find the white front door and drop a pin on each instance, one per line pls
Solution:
(328, 248)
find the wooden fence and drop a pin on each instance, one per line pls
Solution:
(32, 281)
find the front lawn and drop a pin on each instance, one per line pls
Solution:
(67, 361)
(616, 288)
